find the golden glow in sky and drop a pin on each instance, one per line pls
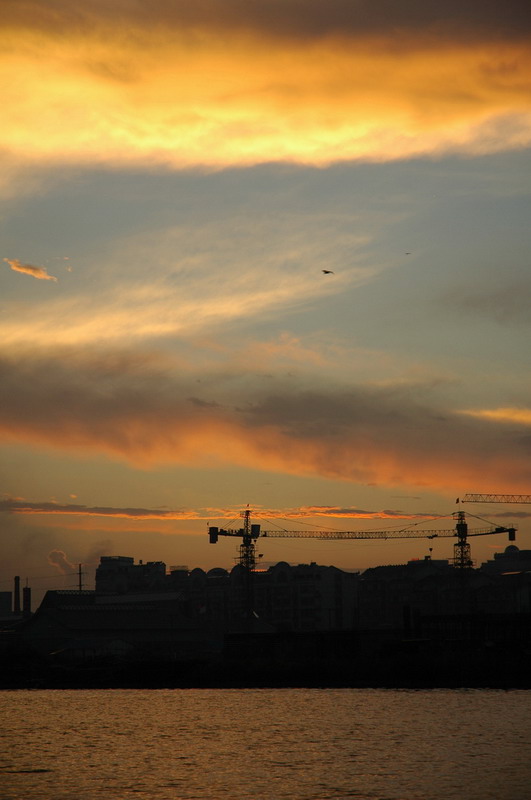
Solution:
(189, 93)
(520, 416)
(273, 253)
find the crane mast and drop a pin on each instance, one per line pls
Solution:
(247, 558)
(462, 554)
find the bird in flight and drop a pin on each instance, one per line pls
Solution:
(328, 272)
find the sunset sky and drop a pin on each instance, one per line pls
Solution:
(175, 178)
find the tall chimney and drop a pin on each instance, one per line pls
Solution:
(26, 601)
(16, 598)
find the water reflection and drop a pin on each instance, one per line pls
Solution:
(302, 744)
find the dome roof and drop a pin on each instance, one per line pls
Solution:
(217, 572)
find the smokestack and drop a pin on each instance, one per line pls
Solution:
(26, 601)
(16, 597)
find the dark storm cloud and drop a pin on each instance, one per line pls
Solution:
(296, 19)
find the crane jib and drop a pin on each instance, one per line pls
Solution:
(255, 533)
(251, 532)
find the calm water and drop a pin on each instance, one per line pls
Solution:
(307, 744)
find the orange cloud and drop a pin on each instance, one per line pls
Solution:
(520, 416)
(18, 506)
(28, 269)
(379, 435)
(132, 90)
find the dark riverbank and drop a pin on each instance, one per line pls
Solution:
(288, 661)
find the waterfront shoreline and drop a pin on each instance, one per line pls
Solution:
(501, 674)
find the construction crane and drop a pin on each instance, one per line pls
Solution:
(496, 498)
(251, 532)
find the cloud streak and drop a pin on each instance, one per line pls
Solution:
(72, 509)
(217, 273)
(28, 269)
(46, 508)
(518, 416)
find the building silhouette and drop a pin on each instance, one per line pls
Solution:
(511, 560)
(320, 618)
(306, 597)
